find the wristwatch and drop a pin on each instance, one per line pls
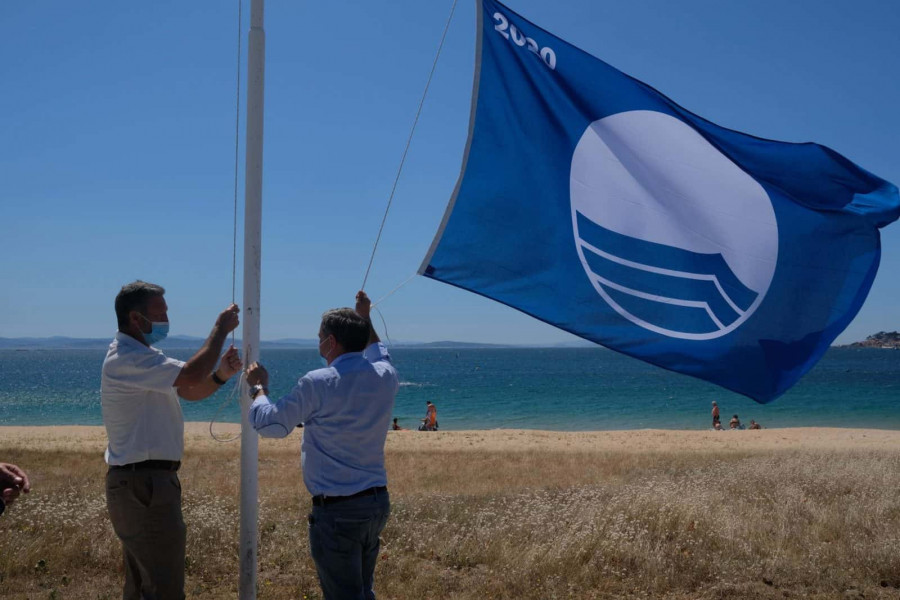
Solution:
(258, 389)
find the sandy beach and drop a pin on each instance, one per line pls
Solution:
(507, 514)
(197, 435)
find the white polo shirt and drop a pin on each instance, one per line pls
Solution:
(141, 411)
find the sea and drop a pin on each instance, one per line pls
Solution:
(564, 389)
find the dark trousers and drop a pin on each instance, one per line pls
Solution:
(344, 542)
(145, 510)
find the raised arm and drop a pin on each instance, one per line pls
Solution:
(199, 367)
(364, 308)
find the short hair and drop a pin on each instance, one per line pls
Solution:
(349, 329)
(134, 296)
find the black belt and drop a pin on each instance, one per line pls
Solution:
(159, 465)
(326, 500)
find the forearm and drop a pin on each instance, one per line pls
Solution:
(202, 390)
(268, 420)
(197, 369)
(373, 335)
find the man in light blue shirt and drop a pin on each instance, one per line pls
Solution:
(346, 412)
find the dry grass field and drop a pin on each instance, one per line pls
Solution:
(507, 515)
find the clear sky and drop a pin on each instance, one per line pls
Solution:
(117, 143)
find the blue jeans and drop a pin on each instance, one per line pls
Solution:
(344, 543)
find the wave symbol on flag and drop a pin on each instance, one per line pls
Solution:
(670, 288)
(672, 234)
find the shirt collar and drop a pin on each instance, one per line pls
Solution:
(124, 338)
(345, 355)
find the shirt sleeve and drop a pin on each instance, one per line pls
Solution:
(376, 352)
(155, 372)
(278, 419)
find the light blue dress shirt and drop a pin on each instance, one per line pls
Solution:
(346, 412)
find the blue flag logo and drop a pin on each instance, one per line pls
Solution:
(673, 235)
(589, 200)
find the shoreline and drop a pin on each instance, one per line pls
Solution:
(86, 437)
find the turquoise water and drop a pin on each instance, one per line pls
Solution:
(561, 389)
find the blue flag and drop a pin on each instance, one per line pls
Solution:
(592, 202)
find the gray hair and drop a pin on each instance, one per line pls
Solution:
(349, 329)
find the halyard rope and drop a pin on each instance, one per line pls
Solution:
(408, 142)
(237, 138)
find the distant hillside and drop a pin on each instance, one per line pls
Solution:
(882, 339)
(449, 344)
(53, 343)
(173, 342)
(184, 342)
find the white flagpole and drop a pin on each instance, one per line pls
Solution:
(250, 309)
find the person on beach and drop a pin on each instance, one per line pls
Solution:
(346, 409)
(139, 390)
(754, 425)
(735, 423)
(429, 423)
(13, 481)
(395, 426)
(717, 425)
(715, 413)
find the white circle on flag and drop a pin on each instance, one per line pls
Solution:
(687, 242)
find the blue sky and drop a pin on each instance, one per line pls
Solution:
(117, 144)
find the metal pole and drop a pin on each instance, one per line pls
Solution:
(252, 275)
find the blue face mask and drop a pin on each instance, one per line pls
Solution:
(158, 331)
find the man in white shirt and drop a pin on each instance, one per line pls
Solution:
(139, 392)
(345, 409)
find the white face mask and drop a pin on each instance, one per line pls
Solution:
(323, 354)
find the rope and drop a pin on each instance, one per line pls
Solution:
(408, 142)
(235, 392)
(391, 293)
(237, 141)
(231, 396)
(384, 323)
